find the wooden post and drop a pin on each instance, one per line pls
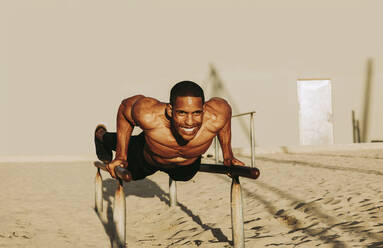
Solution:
(119, 217)
(367, 102)
(98, 192)
(172, 192)
(237, 214)
(357, 132)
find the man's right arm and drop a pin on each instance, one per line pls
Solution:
(125, 125)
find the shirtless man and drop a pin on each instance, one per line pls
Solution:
(174, 136)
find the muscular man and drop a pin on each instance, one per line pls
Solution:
(174, 135)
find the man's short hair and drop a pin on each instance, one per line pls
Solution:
(186, 88)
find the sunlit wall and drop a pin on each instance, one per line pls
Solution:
(66, 65)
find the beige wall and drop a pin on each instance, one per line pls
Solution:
(66, 65)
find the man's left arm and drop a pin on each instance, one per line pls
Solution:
(224, 137)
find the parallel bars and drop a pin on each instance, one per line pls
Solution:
(119, 204)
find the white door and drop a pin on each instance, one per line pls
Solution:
(315, 112)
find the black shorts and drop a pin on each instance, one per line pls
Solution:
(138, 166)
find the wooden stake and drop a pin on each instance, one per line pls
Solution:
(119, 217)
(98, 192)
(237, 214)
(353, 126)
(172, 192)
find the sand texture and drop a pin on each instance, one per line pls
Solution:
(332, 199)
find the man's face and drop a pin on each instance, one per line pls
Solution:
(187, 113)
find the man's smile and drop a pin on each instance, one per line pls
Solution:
(188, 130)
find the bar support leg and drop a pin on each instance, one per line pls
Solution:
(216, 150)
(252, 140)
(98, 192)
(119, 217)
(237, 214)
(172, 192)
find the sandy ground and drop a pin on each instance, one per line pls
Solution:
(332, 199)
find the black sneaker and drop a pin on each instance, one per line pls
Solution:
(104, 153)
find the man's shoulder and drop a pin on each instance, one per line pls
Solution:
(217, 112)
(147, 103)
(145, 111)
(218, 105)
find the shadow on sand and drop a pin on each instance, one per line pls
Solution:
(146, 188)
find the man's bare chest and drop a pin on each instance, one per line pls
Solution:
(162, 143)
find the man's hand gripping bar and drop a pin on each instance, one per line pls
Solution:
(121, 173)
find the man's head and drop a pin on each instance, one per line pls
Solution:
(186, 109)
(186, 88)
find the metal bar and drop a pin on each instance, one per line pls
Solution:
(252, 135)
(172, 192)
(216, 149)
(242, 171)
(247, 113)
(353, 126)
(237, 214)
(98, 192)
(119, 217)
(252, 139)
